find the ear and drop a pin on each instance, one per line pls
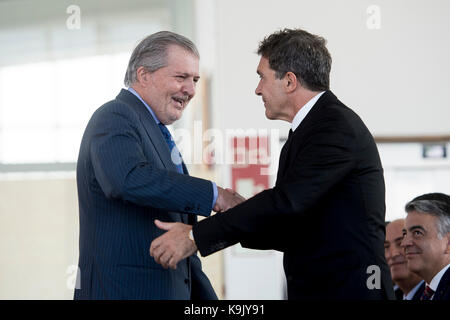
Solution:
(143, 76)
(447, 250)
(290, 82)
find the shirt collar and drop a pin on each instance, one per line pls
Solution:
(437, 278)
(301, 114)
(146, 105)
(411, 294)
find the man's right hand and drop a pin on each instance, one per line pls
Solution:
(227, 199)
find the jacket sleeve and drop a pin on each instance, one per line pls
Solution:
(325, 159)
(123, 171)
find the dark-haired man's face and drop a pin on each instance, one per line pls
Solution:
(271, 90)
(425, 251)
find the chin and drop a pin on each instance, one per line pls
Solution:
(269, 116)
(414, 266)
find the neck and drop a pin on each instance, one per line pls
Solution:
(302, 98)
(408, 284)
(428, 275)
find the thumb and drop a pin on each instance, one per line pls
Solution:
(163, 225)
(231, 190)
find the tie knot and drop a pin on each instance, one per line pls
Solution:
(427, 293)
(164, 130)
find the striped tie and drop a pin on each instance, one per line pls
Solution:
(427, 293)
(174, 154)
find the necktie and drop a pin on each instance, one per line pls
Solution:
(427, 293)
(175, 155)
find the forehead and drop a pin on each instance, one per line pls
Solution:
(394, 229)
(414, 218)
(182, 60)
(263, 65)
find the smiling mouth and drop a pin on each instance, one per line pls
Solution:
(397, 263)
(180, 102)
(411, 254)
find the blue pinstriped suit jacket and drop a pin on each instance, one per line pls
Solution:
(126, 180)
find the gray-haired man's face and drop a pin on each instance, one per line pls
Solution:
(168, 90)
(425, 251)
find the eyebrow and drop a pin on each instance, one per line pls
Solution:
(415, 227)
(187, 75)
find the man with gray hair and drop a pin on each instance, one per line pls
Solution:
(130, 173)
(426, 241)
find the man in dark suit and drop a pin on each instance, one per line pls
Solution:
(326, 211)
(409, 286)
(130, 172)
(427, 243)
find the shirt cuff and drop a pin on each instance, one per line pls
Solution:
(216, 193)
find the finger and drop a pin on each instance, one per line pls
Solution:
(240, 197)
(165, 259)
(173, 263)
(164, 225)
(154, 245)
(156, 254)
(231, 190)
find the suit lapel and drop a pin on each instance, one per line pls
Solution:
(288, 152)
(154, 134)
(283, 157)
(443, 286)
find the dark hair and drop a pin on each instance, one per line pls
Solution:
(300, 52)
(436, 204)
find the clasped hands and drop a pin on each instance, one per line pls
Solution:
(175, 244)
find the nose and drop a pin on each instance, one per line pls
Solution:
(189, 88)
(406, 242)
(258, 89)
(396, 251)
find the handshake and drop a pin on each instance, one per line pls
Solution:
(175, 245)
(227, 199)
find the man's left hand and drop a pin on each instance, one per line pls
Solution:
(172, 246)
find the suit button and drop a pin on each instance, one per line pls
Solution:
(186, 281)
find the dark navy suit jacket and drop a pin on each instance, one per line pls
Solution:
(443, 289)
(126, 180)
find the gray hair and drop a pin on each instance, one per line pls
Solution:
(151, 53)
(299, 52)
(435, 204)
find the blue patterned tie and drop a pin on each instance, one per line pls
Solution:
(174, 154)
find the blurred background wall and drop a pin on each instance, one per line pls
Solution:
(60, 60)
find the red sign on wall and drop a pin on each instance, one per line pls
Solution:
(250, 155)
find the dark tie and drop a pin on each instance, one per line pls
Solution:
(174, 153)
(290, 133)
(427, 293)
